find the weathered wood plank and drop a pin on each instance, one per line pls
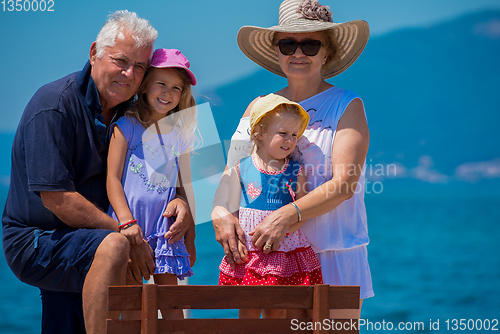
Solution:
(344, 297)
(234, 297)
(123, 326)
(125, 297)
(224, 326)
(149, 314)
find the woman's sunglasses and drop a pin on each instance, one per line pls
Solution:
(309, 47)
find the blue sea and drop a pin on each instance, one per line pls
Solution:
(433, 257)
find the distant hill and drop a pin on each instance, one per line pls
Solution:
(432, 97)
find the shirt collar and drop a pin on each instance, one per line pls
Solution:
(88, 89)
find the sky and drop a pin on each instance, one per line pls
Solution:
(39, 47)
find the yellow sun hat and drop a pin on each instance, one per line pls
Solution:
(270, 102)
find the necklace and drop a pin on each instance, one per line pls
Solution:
(262, 165)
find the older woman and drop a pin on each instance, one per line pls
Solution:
(307, 48)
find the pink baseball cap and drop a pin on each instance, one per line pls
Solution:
(163, 58)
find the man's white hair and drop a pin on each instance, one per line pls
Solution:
(124, 21)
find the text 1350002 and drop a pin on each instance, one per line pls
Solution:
(27, 5)
(472, 324)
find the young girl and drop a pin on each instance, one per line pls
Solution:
(148, 151)
(262, 183)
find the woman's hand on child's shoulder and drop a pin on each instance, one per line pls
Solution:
(133, 234)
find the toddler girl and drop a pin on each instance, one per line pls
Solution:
(262, 183)
(148, 152)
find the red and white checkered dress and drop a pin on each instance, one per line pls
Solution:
(295, 262)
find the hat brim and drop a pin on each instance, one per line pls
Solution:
(191, 74)
(270, 102)
(352, 36)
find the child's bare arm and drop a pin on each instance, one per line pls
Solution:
(242, 248)
(234, 205)
(186, 191)
(116, 160)
(185, 188)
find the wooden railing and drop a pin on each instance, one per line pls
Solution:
(150, 297)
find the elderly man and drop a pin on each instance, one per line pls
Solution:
(56, 235)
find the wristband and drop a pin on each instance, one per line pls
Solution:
(126, 224)
(298, 211)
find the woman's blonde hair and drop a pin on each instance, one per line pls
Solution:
(183, 116)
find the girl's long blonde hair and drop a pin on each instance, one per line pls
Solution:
(183, 116)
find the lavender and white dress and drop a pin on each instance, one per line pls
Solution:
(149, 181)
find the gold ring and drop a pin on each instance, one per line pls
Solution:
(268, 246)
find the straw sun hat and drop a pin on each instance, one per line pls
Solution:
(352, 36)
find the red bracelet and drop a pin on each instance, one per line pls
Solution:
(126, 224)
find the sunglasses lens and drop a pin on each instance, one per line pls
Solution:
(310, 48)
(287, 46)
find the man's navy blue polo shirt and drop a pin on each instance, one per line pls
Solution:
(60, 145)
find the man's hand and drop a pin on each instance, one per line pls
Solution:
(227, 232)
(179, 209)
(141, 263)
